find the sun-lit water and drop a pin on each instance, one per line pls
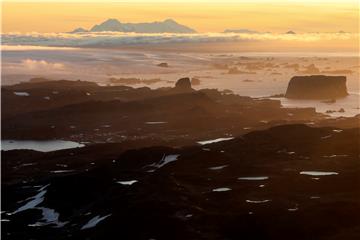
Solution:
(101, 64)
(350, 104)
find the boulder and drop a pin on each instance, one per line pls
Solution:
(317, 87)
(164, 64)
(183, 84)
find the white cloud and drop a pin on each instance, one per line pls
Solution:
(29, 47)
(41, 65)
(117, 38)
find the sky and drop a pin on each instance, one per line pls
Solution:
(204, 16)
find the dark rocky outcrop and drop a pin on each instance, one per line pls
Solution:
(182, 199)
(84, 111)
(183, 84)
(164, 64)
(317, 87)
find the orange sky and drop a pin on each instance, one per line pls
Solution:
(202, 16)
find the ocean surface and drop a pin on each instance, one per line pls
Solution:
(255, 79)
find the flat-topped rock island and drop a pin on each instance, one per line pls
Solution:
(317, 87)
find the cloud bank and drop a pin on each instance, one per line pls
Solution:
(106, 39)
(41, 65)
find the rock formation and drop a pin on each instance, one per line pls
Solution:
(183, 84)
(164, 64)
(317, 87)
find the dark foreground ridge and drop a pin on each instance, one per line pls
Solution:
(317, 87)
(175, 163)
(85, 112)
(287, 182)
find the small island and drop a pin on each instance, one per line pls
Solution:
(317, 87)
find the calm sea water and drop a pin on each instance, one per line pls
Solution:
(99, 65)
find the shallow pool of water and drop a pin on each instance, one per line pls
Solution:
(41, 146)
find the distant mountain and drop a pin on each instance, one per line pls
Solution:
(167, 26)
(240, 31)
(78, 30)
(290, 32)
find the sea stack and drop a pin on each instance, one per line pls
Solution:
(317, 87)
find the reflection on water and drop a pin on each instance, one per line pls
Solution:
(350, 104)
(41, 146)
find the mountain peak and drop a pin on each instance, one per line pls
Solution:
(112, 20)
(167, 26)
(109, 25)
(169, 20)
(79, 30)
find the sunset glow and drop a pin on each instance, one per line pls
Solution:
(180, 120)
(211, 16)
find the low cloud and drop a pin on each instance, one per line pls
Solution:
(100, 39)
(41, 65)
